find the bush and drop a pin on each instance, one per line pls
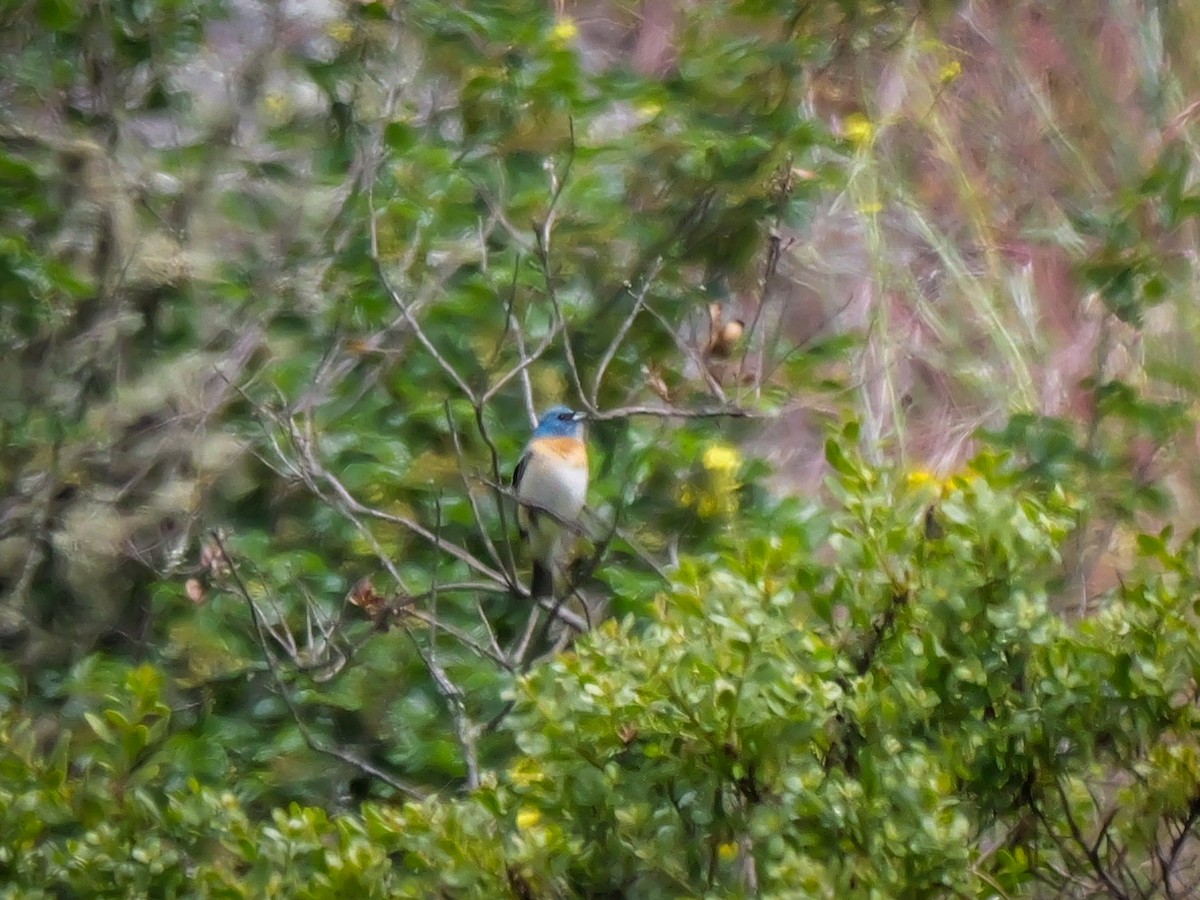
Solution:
(901, 715)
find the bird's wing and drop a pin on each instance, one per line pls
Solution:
(524, 516)
(519, 471)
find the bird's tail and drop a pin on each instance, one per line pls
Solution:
(542, 584)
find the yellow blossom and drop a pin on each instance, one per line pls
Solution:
(524, 774)
(722, 458)
(340, 31)
(727, 851)
(277, 108)
(919, 478)
(858, 129)
(528, 817)
(924, 481)
(564, 31)
(949, 71)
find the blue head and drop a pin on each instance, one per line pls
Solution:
(560, 422)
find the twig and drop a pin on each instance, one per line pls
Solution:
(691, 353)
(543, 233)
(674, 412)
(522, 368)
(273, 667)
(522, 648)
(498, 496)
(1185, 831)
(434, 623)
(416, 528)
(480, 526)
(619, 338)
(453, 695)
(496, 648)
(1089, 851)
(405, 310)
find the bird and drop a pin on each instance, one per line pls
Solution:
(551, 483)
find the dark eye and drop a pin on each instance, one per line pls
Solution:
(566, 417)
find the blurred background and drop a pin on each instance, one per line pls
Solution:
(284, 282)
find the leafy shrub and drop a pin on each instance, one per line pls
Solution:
(897, 714)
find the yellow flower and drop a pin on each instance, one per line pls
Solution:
(727, 851)
(277, 108)
(528, 817)
(564, 31)
(858, 129)
(524, 774)
(949, 71)
(919, 478)
(722, 458)
(340, 31)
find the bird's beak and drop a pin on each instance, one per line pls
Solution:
(579, 417)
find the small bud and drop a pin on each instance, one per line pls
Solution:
(194, 590)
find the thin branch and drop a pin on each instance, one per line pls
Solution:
(614, 345)
(273, 667)
(430, 619)
(403, 306)
(565, 615)
(522, 648)
(696, 357)
(674, 412)
(543, 233)
(453, 694)
(521, 368)
(1169, 860)
(480, 526)
(1089, 851)
(496, 648)
(416, 528)
(498, 496)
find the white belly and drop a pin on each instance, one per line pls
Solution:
(558, 489)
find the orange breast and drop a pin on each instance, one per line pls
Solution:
(570, 449)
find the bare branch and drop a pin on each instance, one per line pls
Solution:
(691, 353)
(273, 667)
(403, 306)
(1089, 850)
(527, 359)
(523, 369)
(675, 412)
(452, 693)
(522, 648)
(352, 504)
(498, 495)
(543, 233)
(1171, 858)
(614, 345)
(480, 525)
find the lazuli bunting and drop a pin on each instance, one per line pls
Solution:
(551, 481)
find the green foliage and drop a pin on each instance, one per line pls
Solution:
(266, 368)
(784, 719)
(1139, 264)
